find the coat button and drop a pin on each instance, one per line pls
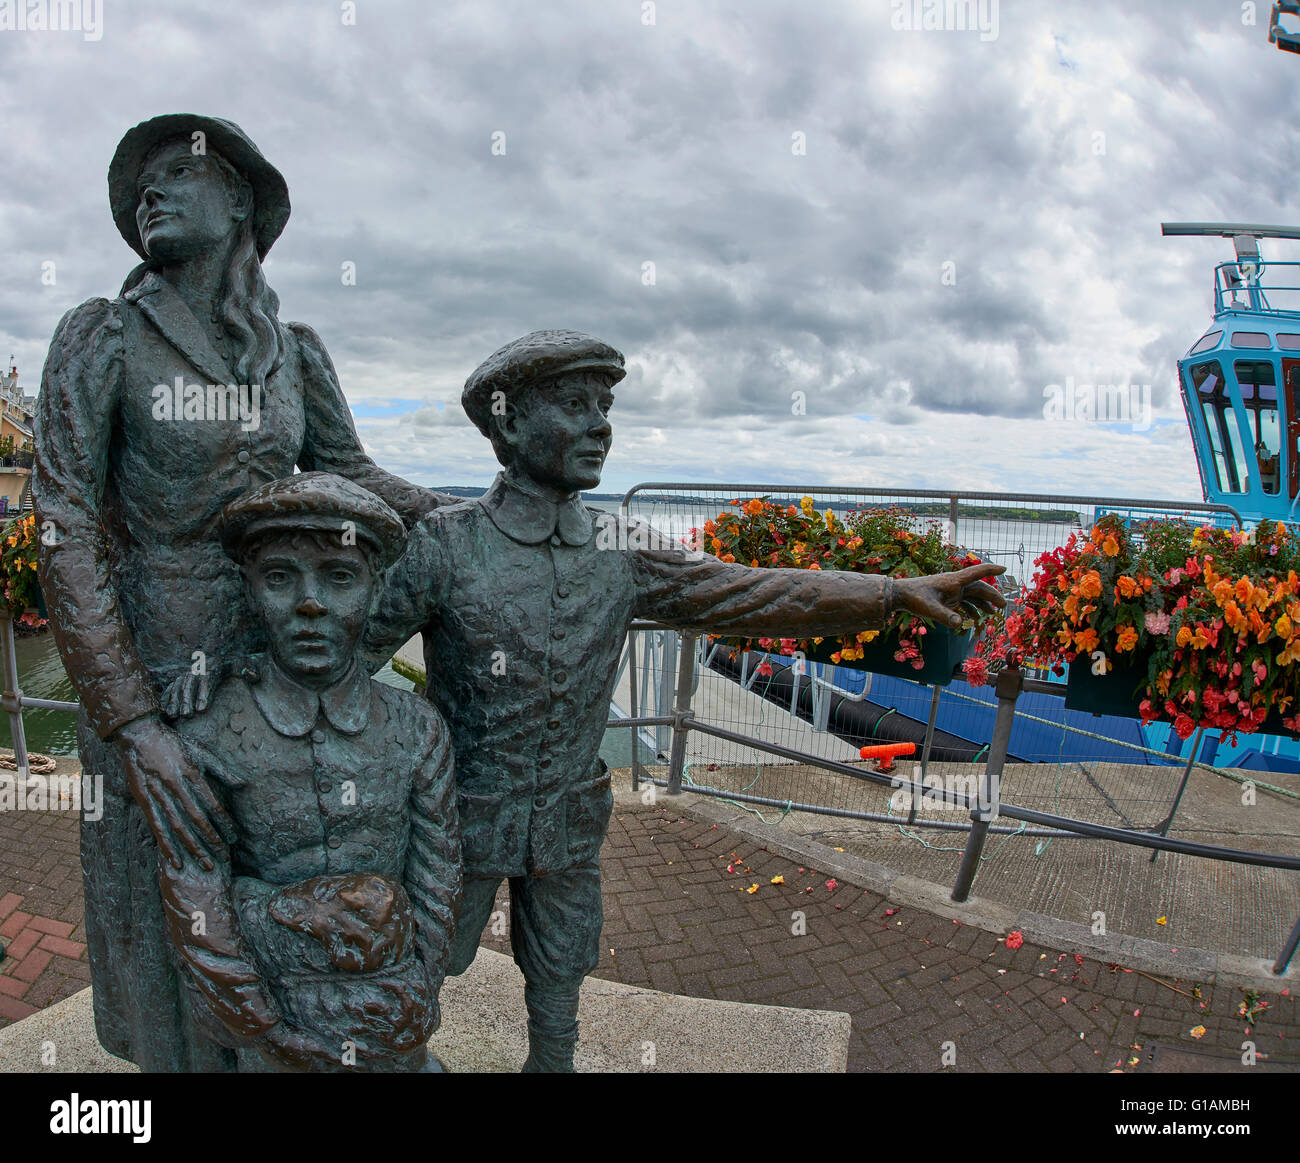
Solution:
(243, 456)
(561, 591)
(561, 677)
(322, 787)
(553, 724)
(318, 736)
(539, 802)
(555, 540)
(558, 633)
(334, 842)
(544, 762)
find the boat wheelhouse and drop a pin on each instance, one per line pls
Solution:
(1240, 381)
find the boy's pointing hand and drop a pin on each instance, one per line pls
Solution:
(950, 598)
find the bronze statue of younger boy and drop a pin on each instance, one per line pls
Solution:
(318, 939)
(524, 603)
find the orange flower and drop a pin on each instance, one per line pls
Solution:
(1090, 585)
(1087, 640)
(1127, 586)
(1283, 627)
(754, 507)
(716, 544)
(727, 557)
(1127, 639)
(1110, 547)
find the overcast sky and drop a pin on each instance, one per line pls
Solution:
(918, 230)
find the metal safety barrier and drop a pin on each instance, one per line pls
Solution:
(986, 807)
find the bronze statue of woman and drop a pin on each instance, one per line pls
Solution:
(156, 409)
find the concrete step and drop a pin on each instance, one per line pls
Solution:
(624, 1030)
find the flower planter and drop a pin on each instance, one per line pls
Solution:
(1116, 693)
(1119, 693)
(943, 650)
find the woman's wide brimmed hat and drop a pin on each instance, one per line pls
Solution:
(270, 194)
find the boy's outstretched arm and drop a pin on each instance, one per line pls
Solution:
(691, 590)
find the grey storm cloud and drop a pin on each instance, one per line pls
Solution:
(800, 177)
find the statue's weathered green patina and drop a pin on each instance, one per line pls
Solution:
(524, 597)
(326, 923)
(157, 408)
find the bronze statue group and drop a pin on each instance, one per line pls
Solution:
(292, 856)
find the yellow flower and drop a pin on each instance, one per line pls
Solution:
(753, 888)
(777, 880)
(806, 504)
(830, 520)
(31, 565)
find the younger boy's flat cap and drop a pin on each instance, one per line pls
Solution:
(318, 501)
(528, 361)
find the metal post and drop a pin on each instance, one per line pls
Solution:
(631, 681)
(952, 519)
(681, 712)
(667, 672)
(925, 750)
(986, 810)
(12, 698)
(1288, 950)
(1163, 828)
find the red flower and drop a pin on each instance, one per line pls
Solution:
(1184, 726)
(1015, 939)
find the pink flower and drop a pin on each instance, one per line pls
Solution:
(1157, 623)
(832, 885)
(977, 671)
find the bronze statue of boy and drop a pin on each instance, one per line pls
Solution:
(318, 938)
(524, 607)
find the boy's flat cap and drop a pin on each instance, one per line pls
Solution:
(317, 501)
(531, 359)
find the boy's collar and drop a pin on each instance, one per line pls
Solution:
(292, 709)
(526, 516)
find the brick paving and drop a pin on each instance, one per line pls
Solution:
(677, 920)
(40, 912)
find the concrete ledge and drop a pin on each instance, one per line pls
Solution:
(624, 1029)
(1142, 953)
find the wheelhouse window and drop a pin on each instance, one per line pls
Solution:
(1288, 342)
(1208, 340)
(1251, 339)
(1257, 379)
(1225, 440)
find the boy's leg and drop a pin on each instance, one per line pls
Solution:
(555, 933)
(476, 900)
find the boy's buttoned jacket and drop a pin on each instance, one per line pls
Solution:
(524, 606)
(357, 779)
